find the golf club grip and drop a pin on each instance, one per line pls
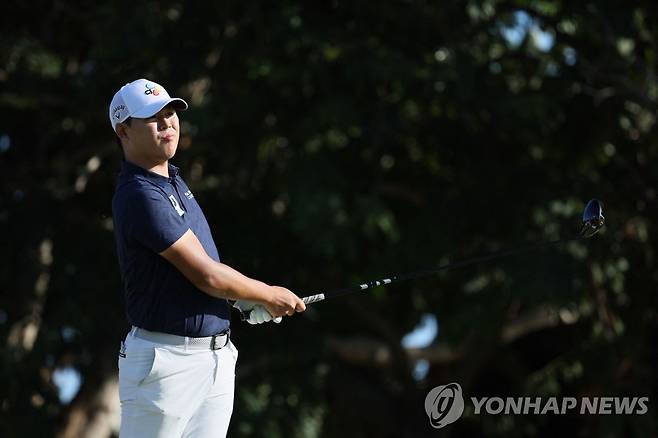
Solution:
(313, 298)
(347, 290)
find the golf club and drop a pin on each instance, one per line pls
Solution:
(593, 221)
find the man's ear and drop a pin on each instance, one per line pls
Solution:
(122, 131)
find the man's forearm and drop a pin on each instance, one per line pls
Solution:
(212, 277)
(222, 281)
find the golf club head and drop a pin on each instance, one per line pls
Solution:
(593, 219)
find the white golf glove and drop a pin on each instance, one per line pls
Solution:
(258, 314)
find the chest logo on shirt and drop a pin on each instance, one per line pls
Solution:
(174, 202)
(189, 194)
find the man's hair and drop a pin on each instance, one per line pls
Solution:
(127, 122)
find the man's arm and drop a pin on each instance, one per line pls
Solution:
(219, 280)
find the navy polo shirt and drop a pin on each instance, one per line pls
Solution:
(150, 213)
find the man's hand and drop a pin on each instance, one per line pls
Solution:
(282, 302)
(257, 313)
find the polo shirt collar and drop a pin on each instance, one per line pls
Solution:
(130, 169)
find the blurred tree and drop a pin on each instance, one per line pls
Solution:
(331, 143)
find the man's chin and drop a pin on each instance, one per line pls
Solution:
(170, 149)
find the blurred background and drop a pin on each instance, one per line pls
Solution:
(331, 143)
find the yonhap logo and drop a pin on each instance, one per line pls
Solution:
(444, 405)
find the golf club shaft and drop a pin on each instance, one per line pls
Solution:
(431, 271)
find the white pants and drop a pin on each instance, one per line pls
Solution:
(175, 391)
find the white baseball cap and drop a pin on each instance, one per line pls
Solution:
(141, 99)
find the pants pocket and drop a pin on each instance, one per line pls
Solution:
(134, 369)
(177, 381)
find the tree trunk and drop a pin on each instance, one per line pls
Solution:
(95, 412)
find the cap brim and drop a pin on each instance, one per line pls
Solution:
(153, 108)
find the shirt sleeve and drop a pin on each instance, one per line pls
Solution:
(152, 220)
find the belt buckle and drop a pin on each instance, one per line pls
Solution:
(213, 340)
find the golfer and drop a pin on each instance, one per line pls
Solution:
(177, 364)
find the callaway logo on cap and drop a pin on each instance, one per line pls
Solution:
(141, 99)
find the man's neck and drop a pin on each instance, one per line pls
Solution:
(159, 168)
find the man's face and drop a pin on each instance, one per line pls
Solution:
(154, 139)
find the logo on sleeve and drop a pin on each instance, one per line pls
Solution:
(174, 202)
(189, 194)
